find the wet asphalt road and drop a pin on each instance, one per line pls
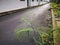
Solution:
(9, 23)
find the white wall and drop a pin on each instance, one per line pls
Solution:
(6, 5)
(34, 3)
(47, 0)
(43, 2)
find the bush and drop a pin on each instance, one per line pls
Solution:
(58, 29)
(53, 5)
(58, 34)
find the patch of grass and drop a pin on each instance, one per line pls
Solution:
(22, 32)
(43, 36)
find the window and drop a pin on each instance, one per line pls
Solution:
(32, 0)
(37, 0)
(22, 0)
(41, 0)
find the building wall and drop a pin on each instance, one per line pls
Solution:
(6, 5)
(34, 3)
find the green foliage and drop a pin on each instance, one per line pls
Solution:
(53, 5)
(58, 29)
(43, 36)
(36, 41)
(58, 13)
(49, 31)
(58, 38)
(58, 34)
(55, 1)
(22, 31)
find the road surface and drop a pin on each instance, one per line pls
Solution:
(9, 24)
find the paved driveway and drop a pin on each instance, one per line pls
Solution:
(9, 23)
